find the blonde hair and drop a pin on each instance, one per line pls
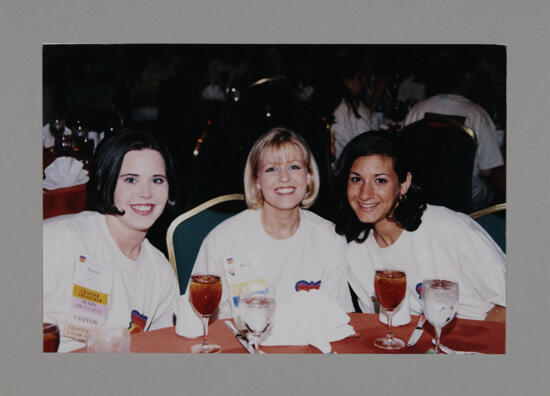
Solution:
(278, 139)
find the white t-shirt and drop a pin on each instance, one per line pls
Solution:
(446, 245)
(141, 294)
(346, 126)
(314, 256)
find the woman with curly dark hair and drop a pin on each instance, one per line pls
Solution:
(387, 222)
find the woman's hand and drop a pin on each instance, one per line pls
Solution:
(497, 314)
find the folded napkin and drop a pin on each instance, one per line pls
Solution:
(64, 172)
(213, 92)
(309, 317)
(188, 323)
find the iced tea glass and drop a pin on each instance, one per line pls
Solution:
(205, 292)
(390, 286)
(51, 337)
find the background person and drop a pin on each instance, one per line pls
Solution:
(451, 83)
(352, 116)
(386, 220)
(99, 269)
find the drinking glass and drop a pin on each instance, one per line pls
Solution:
(110, 339)
(205, 292)
(440, 298)
(57, 129)
(256, 308)
(51, 337)
(390, 286)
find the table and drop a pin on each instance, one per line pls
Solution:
(64, 201)
(460, 334)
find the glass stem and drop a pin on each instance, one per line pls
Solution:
(205, 330)
(437, 337)
(255, 343)
(389, 334)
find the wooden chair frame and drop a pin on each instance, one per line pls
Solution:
(485, 211)
(190, 213)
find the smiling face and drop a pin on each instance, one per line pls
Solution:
(374, 188)
(141, 190)
(282, 178)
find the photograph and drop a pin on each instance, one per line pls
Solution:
(274, 198)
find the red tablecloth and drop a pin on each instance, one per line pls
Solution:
(460, 334)
(64, 201)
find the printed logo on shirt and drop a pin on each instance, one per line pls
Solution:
(138, 322)
(229, 260)
(82, 259)
(305, 285)
(418, 289)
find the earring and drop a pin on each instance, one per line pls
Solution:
(402, 197)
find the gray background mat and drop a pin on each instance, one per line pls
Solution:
(522, 26)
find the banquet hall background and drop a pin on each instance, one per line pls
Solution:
(211, 102)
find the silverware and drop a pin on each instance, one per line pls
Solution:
(240, 337)
(417, 332)
(450, 351)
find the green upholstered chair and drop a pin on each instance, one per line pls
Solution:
(187, 231)
(493, 220)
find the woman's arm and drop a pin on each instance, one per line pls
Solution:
(497, 314)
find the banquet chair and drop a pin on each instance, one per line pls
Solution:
(187, 231)
(493, 220)
(441, 156)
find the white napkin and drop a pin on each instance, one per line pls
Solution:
(309, 317)
(213, 92)
(64, 172)
(188, 323)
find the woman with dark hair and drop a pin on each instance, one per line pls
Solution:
(387, 222)
(352, 116)
(99, 269)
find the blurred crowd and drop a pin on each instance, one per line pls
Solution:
(211, 102)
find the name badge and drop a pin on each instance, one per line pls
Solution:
(92, 285)
(94, 274)
(241, 270)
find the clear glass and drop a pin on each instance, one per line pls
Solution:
(108, 340)
(256, 308)
(440, 299)
(205, 292)
(390, 286)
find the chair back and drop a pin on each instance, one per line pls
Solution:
(187, 231)
(493, 220)
(441, 154)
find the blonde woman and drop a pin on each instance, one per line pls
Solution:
(276, 240)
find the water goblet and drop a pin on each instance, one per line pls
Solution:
(390, 286)
(256, 308)
(205, 292)
(110, 339)
(440, 299)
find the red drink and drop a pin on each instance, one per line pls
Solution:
(205, 292)
(51, 337)
(390, 287)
